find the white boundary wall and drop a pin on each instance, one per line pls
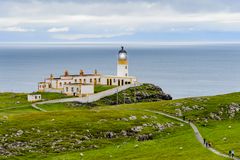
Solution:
(94, 97)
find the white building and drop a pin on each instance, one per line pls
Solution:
(78, 89)
(59, 84)
(34, 97)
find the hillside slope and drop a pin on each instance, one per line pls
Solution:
(73, 131)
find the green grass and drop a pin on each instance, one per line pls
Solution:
(100, 88)
(221, 136)
(70, 122)
(213, 130)
(178, 146)
(13, 100)
(42, 130)
(16, 103)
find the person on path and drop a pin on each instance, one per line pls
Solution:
(204, 140)
(209, 144)
(206, 144)
(232, 152)
(184, 118)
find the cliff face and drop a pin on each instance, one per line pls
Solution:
(143, 93)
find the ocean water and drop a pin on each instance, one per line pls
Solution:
(182, 71)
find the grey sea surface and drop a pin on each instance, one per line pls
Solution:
(180, 70)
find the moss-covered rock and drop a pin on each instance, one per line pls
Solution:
(143, 93)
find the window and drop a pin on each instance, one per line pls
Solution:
(75, 80)
(114, 80)
(126, 75)
(35, 97)
(80, 80)
(125, 67)
(66, 89)
(60, 84)
(72, 89)
(99, 80)
(84, 80)
(90, 80)
(65, 82)
(77, 89)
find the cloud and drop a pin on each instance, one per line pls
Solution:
(86, 17)
(72, 37)
(54, 30)
(16, 29)
(117, 16)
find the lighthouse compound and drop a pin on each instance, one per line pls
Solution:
(82, 84)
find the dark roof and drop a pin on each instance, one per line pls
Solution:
(78, 84)
(122, 50)
(78, 75)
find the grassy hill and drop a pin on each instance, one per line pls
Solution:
(107, 131)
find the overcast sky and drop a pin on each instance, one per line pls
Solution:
(119, 20)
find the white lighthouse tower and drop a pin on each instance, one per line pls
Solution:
(122, 66)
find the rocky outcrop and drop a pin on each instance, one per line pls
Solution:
(232, 109)
(143, 93)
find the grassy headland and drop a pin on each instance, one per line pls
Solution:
(106, 131)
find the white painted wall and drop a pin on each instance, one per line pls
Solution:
(122, 70)
(87, 89)
(33, 98)
(92, 98)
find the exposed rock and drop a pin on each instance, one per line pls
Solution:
(132, 117)
(186, 109)
(5, 117)
(215, 116)
(178, 104)
(178, 112)
(19, 133)
(102, 120)
(124, 133)
(143, 93)
(160, 127)
(109, 135)
(195, 107)
(136, 146)
(144, 117)
(145, 137)
(124, 119)
(233, 108)
(85, 138)
(137, 129)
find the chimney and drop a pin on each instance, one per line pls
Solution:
(81, 72)
(66, 73)
(51, 76)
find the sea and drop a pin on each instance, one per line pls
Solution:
(180, 70)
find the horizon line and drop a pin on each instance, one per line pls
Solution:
(125, 43)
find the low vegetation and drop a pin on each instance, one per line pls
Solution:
(15, 100)
(107, 132)
(103, 130)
